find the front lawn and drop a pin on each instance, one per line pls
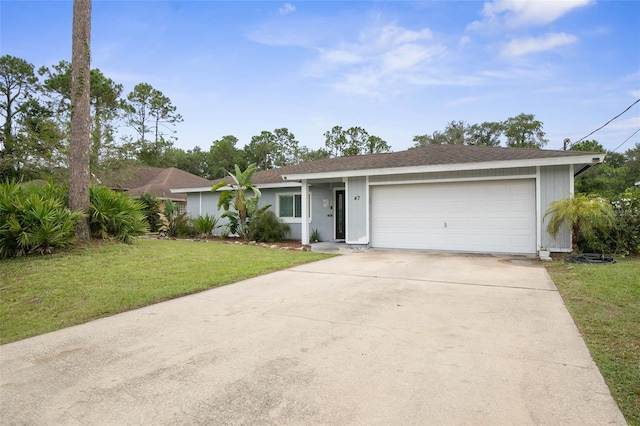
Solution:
(39, 294)
(604, 301)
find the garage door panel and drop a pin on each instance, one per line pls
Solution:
(490, 216)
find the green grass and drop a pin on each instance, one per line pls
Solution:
(39, 294)
(604, 301)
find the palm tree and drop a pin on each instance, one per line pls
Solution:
(583, 214)
(236, 197)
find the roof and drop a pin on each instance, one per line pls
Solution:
(157, 181)
(423, 159)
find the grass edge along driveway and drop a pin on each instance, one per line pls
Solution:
(604, 301)
(39, 294)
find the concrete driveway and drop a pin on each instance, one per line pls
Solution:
(374, 337)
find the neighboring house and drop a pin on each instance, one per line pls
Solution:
(440, 197)
(136, 180)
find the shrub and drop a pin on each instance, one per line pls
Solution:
(267, 227)
(587, 216)
(175, 224)
(626, 236)
(151, 209)
(34, 219)
(205, 225)
(183, 227)
(115, 215)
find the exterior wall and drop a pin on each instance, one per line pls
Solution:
(357, 206)
(269, 197)
(322, 211)
(555, 184)
(201, 203)
(462, 174)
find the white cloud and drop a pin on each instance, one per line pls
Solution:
(522, 13)
(382, 59)
(286, 9)
(462, 101)
(524, 46)
(340, 55)
(629, 123)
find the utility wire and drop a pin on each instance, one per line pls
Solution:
(605, 124)
(625, 141)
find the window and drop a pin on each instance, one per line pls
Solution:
(290, 206)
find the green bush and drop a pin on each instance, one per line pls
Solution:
(205, 224)
(115, 215)
(626, 235)
(267, 227)
(34, 219)
(183, 227)
(151, 209)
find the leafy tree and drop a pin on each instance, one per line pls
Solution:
(79, 179)
(151, 114)
(273, 149)
(18, 83)
(588, 145)
(485, 134)
(335, 141)
(260, 151)
(39, 150)
(353, 141)
(222, 156)
(454, 134)
(191, 160)
(437, 138)
(314, 154)
(105, 107)
(585, 215)
(524, 131)
(616, 173)
(237, 197)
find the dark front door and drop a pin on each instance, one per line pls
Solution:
(339, 215)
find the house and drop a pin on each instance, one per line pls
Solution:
(136, 180)
(440, 197)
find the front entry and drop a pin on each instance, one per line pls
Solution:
(339, 215)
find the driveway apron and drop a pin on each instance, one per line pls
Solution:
(374, 337)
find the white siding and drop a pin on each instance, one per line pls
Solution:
(555, 184)
(356, 205)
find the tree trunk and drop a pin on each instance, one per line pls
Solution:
(79, 178)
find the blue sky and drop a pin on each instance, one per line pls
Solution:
(397, 69)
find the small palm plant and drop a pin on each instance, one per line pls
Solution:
(205, 225)
(238, 197)
(585, 215)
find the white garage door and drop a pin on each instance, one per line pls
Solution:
(487, 216)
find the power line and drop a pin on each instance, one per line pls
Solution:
(625, 141)
(605, 124)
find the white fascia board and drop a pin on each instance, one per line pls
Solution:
(260, 186)
(186, 190)
(280, 185)
(557, 161)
